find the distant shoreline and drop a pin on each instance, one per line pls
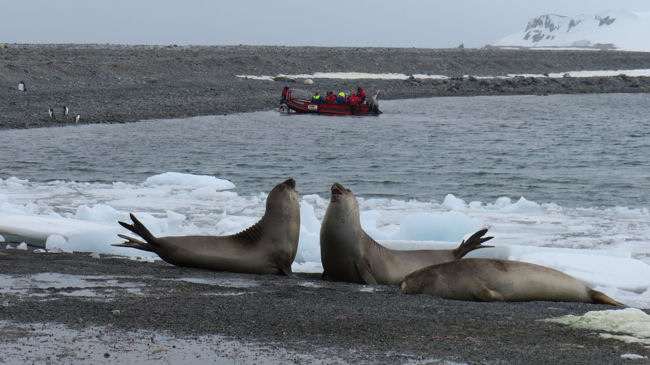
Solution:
(126, 83)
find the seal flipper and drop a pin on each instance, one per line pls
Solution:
(133, 243)
(602, 298)
(286, 270)
(138, 228)
(485, 294)
(365, 274)
(473, 243)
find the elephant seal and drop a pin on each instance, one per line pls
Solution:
(267, 247)
(500, 280)
(349, 254)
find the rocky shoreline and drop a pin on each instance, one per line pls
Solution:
(304, 319)
(116, 84)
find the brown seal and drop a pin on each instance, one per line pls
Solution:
(267, 247)
(500, 280)
(349, 254)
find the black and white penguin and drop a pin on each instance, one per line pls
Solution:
(50, 112)
(66, 111)
(76, 119)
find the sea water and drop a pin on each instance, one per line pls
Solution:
(560, 180)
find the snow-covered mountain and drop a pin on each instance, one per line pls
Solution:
(622, 30)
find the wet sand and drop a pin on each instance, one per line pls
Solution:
(130, 310)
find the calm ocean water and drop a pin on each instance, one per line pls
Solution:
(574, 150)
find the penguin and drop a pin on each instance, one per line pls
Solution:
(76, 119)
(66, 111)
(50, 112)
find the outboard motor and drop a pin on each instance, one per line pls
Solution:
(374, 104)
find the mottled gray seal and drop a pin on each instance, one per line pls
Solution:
(267, 247)
(349, 254)
(500, 280)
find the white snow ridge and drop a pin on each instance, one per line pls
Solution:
(619, 30)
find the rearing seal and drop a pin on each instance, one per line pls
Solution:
(267, 247)
(349, 254)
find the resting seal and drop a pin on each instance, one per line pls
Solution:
(267, 247)
(500, 280)
(349, 254)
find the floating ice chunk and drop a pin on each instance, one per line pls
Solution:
(309, 239)
(22, 246)
(55, 242)
(453, 203)
(447, 226)
(197, 181)
(369, 220)
(99, 213)
(308, 267)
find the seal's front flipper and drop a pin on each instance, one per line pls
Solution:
(472, 243)
(365, 274)
(286, 270)
(485, 294)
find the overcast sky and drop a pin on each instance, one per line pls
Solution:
(390, 23)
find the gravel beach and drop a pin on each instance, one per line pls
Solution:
(303, 319)
(72, 308)
(115, 84)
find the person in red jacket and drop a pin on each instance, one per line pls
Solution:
(286, 93)
(354, 103)
(361, 95)
(330, 98)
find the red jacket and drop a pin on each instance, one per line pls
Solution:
(361, 94)
(354, 99)
(330, 98)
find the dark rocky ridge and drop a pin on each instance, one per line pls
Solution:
(105, 83)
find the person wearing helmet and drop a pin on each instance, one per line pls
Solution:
(340, 99)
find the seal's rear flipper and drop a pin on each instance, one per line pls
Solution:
(472, 243)
(602, 298)
(138, 228)
(133, 243)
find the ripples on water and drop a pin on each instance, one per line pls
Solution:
(574, 150)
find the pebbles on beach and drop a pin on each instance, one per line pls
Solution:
(112, 83)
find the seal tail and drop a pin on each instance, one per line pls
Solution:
(472, 243)
(601, 298)
(138, 228)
